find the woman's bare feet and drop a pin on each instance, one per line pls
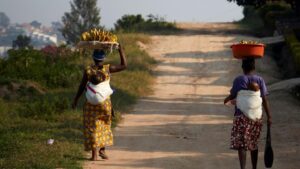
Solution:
(102, 154)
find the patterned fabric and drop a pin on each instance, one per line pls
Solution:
(97, 118)
(102, 74)
(245, 133)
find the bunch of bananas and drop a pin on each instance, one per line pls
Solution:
(249, 42)
(99, 35)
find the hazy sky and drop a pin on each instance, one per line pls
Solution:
(46, 11)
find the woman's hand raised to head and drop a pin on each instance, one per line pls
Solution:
(122, 65)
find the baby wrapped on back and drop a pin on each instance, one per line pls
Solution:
(250, 102)
(97, 89)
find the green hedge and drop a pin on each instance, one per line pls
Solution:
(294, 45)
(34, 65)
(262, 20)
(136, 23)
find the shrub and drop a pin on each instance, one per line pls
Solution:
(136, 23)
(274, 7)
(294, 46)
(52, 70)
(262, 20)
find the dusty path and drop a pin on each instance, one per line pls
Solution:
(184, 124)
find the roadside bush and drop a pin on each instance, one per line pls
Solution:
(294, 46)
(262, 20)
(50, 70)
(271, 13)
(24, 64)
(136, 23)
(274, 7)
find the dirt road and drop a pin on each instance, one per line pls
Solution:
(184, 124)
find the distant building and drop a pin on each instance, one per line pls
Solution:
(40, 37)
(43, 38)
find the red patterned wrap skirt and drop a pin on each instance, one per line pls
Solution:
(245, 133)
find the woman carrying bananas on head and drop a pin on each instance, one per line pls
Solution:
(97, 116)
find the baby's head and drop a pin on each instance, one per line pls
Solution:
(253, 86)
(95, 79)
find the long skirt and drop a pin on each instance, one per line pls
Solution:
(97, 125)
(245, 133)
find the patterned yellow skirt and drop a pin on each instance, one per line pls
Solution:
(97, 125)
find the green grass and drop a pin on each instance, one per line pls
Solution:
(23, 142)
(31, 118)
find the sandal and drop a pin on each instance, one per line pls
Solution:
(103, 155)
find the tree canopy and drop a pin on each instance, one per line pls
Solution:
(295, 4)
(260, 2)
(4, 20)
(36, 24)
(84, 15)
(22, 41)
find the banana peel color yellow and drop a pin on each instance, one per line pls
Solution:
(99, 35)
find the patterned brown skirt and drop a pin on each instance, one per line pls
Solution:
(245, 133)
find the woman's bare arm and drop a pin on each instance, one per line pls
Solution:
(81, 89)
(122, 65)
(267, 109)
(228, 98)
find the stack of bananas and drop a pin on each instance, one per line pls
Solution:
(99, 35)
(249, 42)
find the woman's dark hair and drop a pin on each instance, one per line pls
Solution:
(248, 64)
(98, 55)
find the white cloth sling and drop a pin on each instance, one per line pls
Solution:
(96, 94)
(250, 103)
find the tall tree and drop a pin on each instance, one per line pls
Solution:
(4, 20)
(36, 24)
(84, 15)
(294, 3)
(22, 41)
(56, 25)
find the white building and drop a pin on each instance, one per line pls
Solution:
(38, 36)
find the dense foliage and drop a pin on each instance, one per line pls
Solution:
(260, 2)
(136, 23)
(49, 70)
(294, 45)
(262, 21)
(295, 4)
(22, 41)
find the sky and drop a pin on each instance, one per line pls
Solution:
(46, 11)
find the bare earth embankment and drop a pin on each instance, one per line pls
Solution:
(184, 124)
